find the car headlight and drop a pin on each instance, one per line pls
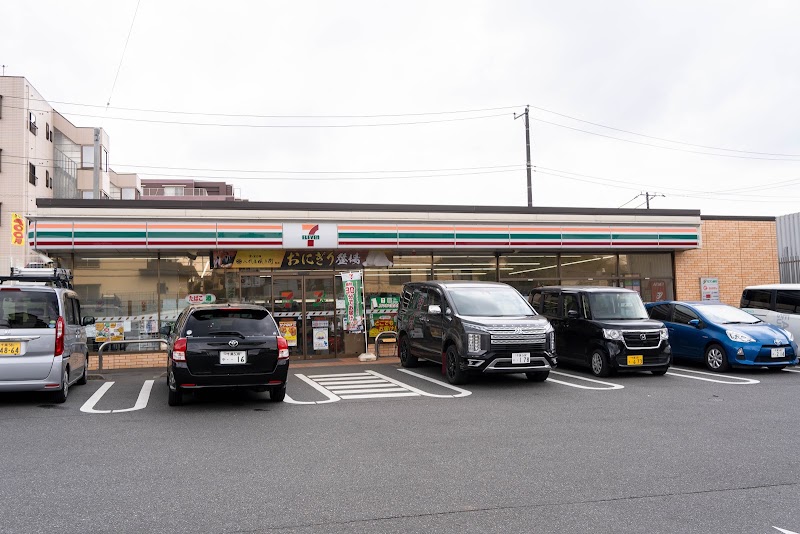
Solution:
(789, 335)
(741, 337)
(610, 333)
(663, 332)
(549, 328)
(473, 343)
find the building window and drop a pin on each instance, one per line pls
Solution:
(1, 106)
(173, 190)
(47, 181)
(47, 131)
(31, 173)
(1, 160)
(87, 157)
(104, 160)
(32, 123)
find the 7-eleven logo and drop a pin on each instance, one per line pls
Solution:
(310, 233)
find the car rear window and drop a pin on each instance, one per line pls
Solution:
(247, 322)
(28, 309)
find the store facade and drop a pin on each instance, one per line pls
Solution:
(136, 265)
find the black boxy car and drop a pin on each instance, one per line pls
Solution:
(604, 328)
(213, 345)
(473, 327)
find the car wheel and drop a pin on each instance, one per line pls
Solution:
(539, 376)
(715, 358)
(61, 395)
(660, 372)
(406, 359)
(455, 375)
(85, 375)
(277, 394)
(174, 395)
(776, 368)
(600, 365)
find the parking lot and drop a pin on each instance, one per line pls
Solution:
(376, 448)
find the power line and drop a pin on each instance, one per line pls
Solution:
(122, 57)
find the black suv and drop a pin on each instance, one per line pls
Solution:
(604, 328)
(479, 327)
(216, 345)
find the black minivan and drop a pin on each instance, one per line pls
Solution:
(604, 328)
(473, 327)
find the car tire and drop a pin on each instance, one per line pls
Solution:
(599, 364)
(455, 375)
(406, 359)
(776, 368)
(85, 375)
(174, 396)
(539, 376)
(60, 396)
(277, 394)
(715, 359)
(660, 372)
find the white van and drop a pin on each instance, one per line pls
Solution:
(777, 304)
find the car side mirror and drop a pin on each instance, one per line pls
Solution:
(165, 330)
(572, 314)
(87, 321)
(435, 309)
(696, 323)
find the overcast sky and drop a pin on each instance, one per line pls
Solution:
(624, 96)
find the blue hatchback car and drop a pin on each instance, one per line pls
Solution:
(723, 336)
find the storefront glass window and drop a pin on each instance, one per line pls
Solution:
(588, 266)
(465, 267)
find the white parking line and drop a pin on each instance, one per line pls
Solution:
(719, 379)
(141, 401)
(368, 385)
(611, 385)
(792, 370)
(461, 392)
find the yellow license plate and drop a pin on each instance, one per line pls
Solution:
(636, 360)
(9, 347)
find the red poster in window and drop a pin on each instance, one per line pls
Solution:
(658, 290)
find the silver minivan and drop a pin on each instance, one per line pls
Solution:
(42, 335)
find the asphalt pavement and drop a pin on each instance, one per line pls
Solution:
(373, 448)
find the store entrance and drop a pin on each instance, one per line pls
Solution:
(304, 306)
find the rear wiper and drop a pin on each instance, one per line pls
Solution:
(227, 333)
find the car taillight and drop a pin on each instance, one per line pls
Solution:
(59, 336)
(179, 350)
(283, 348)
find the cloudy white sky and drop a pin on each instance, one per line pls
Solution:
(413, 102)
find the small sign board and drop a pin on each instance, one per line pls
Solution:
(709, 289)
(199, 298)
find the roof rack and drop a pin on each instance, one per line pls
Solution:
(57, 277)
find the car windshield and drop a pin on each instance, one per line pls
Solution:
(722, 314)
(494, 301)
(28, 309)
(617, 305)
(230, 322)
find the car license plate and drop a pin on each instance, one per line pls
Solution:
(778, 353)
(232, 357)
(520, 357)
(636, 360)
(9, 348)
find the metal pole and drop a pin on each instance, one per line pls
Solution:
(96, 175)
(528, 155)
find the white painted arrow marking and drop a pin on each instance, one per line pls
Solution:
(141, 401)
(785, 531)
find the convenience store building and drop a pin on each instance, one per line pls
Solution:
(137, 263)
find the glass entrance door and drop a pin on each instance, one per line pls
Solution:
(304, 306)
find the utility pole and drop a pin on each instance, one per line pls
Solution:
(527, 151)
(648, 196)
(96, 173)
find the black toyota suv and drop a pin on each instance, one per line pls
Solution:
(604, 328)
(473, 327)
(222, 345)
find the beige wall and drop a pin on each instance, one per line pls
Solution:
(738, 252)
